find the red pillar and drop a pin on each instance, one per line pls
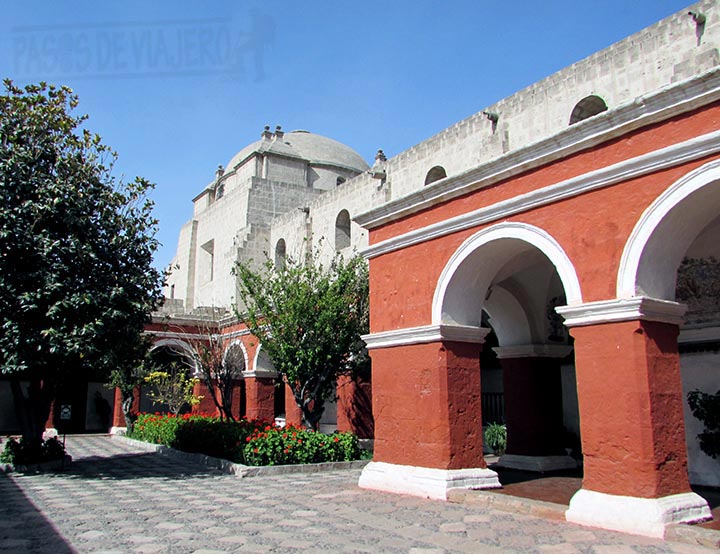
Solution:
(206, 405)
(118, 415)
(50, 423)
(533, 406)
(260, 398)
(427, 403)
(354, 406)
(631, 418)
(293, 413)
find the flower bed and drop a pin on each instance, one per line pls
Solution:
(246, 442)
(297, 445)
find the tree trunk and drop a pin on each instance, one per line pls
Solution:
(33, 411)
(127, 402)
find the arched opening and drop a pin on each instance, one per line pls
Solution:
(673, 255)
(280, 254)
(435, 174)
(264, 366)
(342, 230)
(235, 362)
(587, 107)
(175, 358)
(509, 278)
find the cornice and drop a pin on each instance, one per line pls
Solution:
(670, 101)
(629, 309)
(426, 334)
(664, 158)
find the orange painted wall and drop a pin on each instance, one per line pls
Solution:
(426, 399)
(630, 398)
(592, 228)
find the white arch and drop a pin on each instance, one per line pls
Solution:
(239, 343)
(270, 370)
(178, 345)
(512, 238)
(648, 264)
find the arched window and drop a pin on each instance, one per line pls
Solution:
(234, 359)
(342, 230)
(435, 174)
(587, 107)
(280, 254)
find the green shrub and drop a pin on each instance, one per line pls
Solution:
(296, 445)
(496, 437)
(18, 452)
(196, 433)
(706, 408)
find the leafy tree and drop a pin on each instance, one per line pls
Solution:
(706, 407)
(76, 246)
(173, 387)
(308, 317)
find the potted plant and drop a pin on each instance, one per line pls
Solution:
(496, 438)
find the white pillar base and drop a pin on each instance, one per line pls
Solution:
(118, 430)
(49, 433)
(424, 481)
(638, 516)
(540, 464)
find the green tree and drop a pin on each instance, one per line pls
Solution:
(308, 317)
(76, 278)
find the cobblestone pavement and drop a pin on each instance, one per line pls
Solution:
(116, 499)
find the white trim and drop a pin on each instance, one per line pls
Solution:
(539, 464)
(705, 334)
(622, 171)
(426, 334)
(639, 516)
(424, 481)
(260, 374)
(629, 309)
(652, 217)
(532, 351)
(535, 236)
(177, 335)
(116, 430)
(658, 106)
(264, 373)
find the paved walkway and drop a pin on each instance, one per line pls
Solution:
(117, 499)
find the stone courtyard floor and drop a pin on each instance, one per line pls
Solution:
(115, 498)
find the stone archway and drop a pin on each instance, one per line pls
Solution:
(428, 377)
(517, 273)
(636, 474)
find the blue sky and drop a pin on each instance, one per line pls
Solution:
(177, 88)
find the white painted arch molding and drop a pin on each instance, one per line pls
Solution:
(474, 265)
(179, 347)
(664, 232)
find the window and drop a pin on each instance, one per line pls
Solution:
(280, 254)
(342, 230)
(207, 261)
(587, 107)
(435, 174)
(340, 181)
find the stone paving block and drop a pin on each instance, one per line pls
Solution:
(149, 510)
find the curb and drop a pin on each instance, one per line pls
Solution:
(682, 533)
(239, 470)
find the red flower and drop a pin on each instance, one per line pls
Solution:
(336, 439)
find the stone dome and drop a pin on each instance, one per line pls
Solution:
(316, 149)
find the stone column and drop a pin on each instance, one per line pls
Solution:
(533, 407)
(207, 405)
(354, 407)
(427, 406)
(631, 418)
(293, 413)
(260, 395)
